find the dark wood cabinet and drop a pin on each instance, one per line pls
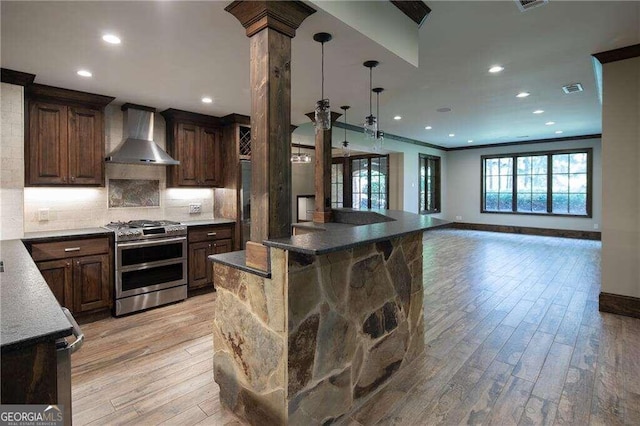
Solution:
(195, 140)
(64, 143)
(78, 272)
(203, 242)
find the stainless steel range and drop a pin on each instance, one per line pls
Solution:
(151, 264)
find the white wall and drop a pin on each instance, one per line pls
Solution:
(463, 182)
(11, 161)
(621, 178)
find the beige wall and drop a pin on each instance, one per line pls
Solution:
(463, 180)
(621, 178)
(11, 161)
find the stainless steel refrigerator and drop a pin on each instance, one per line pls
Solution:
(245, 201)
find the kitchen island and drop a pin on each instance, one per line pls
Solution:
(339, 313)
(31, 322)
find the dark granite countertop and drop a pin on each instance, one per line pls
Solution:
(339, 237)
(65, 233)
(29, 311)
(238, 260)
(206, 222)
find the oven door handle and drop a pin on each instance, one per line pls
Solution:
(77, 332)
(152, 242)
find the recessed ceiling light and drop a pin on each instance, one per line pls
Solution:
(470, 141)
(451, 135)
(522, 94)
(428, 128)
(558, 132)
(84, 73)
(445, 109)
(550, 123)
(495, 69)
(111, 38)
(207, 100)
(538, 111)
(397, 117)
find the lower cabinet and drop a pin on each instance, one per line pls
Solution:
(78, 272)
(203, 242)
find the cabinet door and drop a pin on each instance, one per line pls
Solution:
(57, 274)
(199, 266)
(210, 162)
(86, 147)
(188, 155)
(47, 156)
(91, 284)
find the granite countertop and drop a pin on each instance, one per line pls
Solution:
(238, 260)
(343, 236)
(65, 233)
(205, 222)
(30, 312)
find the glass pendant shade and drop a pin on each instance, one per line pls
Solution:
(346, 151)
(323, 115)
(370, 127)
(379, 134)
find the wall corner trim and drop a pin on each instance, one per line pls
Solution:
(18, 78)
(621, 54)
(620, 305)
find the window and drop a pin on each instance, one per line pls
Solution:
(360, 182)
(429, 184)
(337, 185)
(554, 182)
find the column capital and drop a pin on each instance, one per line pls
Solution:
(282, 16)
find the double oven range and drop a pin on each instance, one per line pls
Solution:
(150, 264)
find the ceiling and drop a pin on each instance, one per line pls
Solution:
(174, 53)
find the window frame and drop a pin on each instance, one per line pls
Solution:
(549, 153)
(437, 184)
(347, 193)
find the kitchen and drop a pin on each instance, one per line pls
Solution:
(40, 210)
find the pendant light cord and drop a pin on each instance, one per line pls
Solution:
(322, 94)
(370, 88)
(345, 124)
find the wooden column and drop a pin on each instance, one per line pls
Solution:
(322, 212)
(270, 25)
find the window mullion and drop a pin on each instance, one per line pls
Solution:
(514, 180)
(549, 183)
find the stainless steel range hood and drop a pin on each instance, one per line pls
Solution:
(138, 146)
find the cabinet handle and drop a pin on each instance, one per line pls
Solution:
(64, 179)
(67, 250)
(209, 245)
(78, 262)
(68, 265)
(211, 234)
(215, 245)
(73, 178)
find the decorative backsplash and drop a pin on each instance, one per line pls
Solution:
(134, 193)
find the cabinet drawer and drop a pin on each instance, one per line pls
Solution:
(209, 233)
(71, 248)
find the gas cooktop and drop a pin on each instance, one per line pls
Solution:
(146, 229)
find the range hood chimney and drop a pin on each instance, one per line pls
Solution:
(138, 146)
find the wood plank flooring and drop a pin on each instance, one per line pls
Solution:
(513, 336)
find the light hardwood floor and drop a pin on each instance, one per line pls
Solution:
(513, 336)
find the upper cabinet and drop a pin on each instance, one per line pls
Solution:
(64, 143)
(196, 141)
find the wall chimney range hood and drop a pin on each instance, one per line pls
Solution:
(138, 146)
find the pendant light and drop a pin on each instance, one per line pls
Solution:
(346, 151)
(300, 158)
(323, 111)
(370, 121)
(379, 140)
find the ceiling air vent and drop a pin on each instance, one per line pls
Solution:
(572, 88)
(525, 5)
